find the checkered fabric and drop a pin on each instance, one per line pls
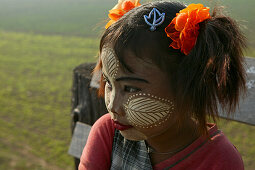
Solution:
(127, 154)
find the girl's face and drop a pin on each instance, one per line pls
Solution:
(142, 99)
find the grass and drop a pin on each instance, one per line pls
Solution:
(36, 77)
(250, 52)
(86, 17)
(65, 17)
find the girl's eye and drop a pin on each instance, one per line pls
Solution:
(131, 89)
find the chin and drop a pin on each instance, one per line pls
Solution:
(133, 134)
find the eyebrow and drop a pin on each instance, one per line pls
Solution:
(131, 79)
(128, 79)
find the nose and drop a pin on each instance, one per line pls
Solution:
(115, 104)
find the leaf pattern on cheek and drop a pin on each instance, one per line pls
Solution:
(147, 111)
(110, 62)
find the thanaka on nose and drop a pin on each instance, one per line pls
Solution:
(115, 104)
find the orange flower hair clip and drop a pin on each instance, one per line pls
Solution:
(120, 9)
(184, 28)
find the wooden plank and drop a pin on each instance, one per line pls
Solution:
(79, 139)
(246, 111)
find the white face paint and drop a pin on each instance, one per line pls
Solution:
(146, 110)
(110, 62)
(142, 110)
(110, 68)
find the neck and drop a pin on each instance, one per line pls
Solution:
(174, 138)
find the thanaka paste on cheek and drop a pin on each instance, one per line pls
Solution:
(110, 68)
(146, 110)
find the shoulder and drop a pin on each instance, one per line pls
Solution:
(98, 149)
(103, 122)
(102, 129)
(221, 152)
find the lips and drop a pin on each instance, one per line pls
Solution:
(120, 126)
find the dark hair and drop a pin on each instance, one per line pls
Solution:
(211, 75)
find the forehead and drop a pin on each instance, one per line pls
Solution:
(138, 65)
(110, 63)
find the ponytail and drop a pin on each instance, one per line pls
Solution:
(212, 76)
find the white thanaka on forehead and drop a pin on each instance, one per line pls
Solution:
(110, 62)
(146, 110)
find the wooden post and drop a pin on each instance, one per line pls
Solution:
(86, 106)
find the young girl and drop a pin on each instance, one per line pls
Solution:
(166, 68)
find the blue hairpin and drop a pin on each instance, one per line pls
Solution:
(156, 21)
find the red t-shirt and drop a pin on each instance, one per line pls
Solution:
(217, 154)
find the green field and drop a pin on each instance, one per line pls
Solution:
(40, 44)
(87, 17)
(35, 95)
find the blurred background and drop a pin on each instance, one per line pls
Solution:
(41, 42)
